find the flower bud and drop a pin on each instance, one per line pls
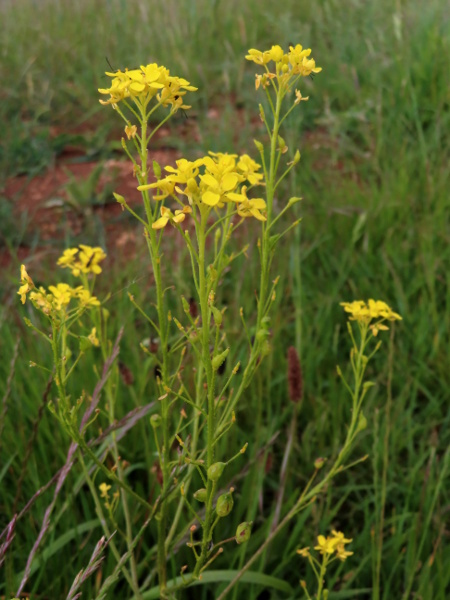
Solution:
(243, 532)
(265, 348)
(219, 359)
(362, 422)
(224, 504)
(261, 335)
(155, 421)
(259, 145)
(216, 470)
(156, 169)
(217, 315)
(319, 462)
(120, 199)
(192, 185)
(200, 495)
(85, 343)
(185, 304)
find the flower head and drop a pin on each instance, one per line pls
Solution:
(141, 85)
(248, 207)
(291, 65)
(84, 259)
(167, 216)
(366, 312)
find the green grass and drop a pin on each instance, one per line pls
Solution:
(374, 178)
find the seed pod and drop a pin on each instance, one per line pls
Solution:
(216, 470)
(155, 421)
(224, 504)
(219, 359)
(243, 532)
(200, 495)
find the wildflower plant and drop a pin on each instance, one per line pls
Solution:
(329, 549)
(205, 201)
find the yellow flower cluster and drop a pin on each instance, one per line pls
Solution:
(143, 84)
(364, 313)
(56, 297)
(210, 181)
(83, 259)
(291, 65)
(330, 545)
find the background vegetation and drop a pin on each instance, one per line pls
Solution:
(374, 179)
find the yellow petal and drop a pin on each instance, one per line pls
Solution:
(210, 198)
(160, 223)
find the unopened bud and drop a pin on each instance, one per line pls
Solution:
(156, 169)
(259, 145)
(319, 462)
(217, 315)
(185, 304)
(120, 199)
(362, 423)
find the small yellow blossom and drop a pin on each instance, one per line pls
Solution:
(304, 552)
(340, 537)
(42, 300)
(167, 215)
(85, 298)
(130, 131)
(248, 207)
(27, 284)
(142, 84)
(104, 489)
(248, 167)
(326, 545)
(299, 98)
(92, 337)
(342, 553)
(62, 294)
(84, 259)
(374, 309)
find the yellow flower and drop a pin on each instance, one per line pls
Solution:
(258, 57)
(167, 215)
(104, 489)
(144, 83)
(130, 131)
(300, 63)
(92, 337)
(84, 259)
(304, 552)
(375, 309)
(248, 167)
(85, 298)
(340, 537)
(24, 277)
(42, 300)
(342, 553)
(299, 98)
(27, 284)
(246, 207)
(62, 295)
(23, 291)
(166, 187)
(326, 545)
(89, 258)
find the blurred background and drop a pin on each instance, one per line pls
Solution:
(374, 178)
